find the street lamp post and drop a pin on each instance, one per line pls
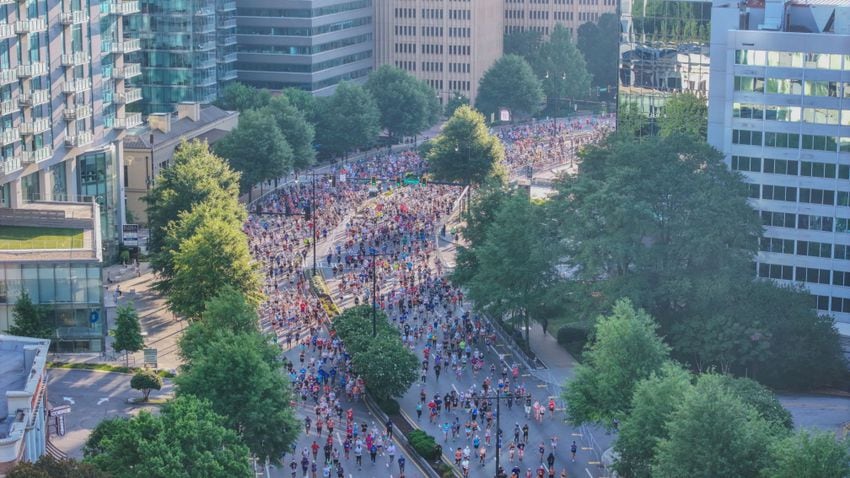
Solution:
(498, 397)
(375, 254)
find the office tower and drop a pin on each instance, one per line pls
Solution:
(447, 44)
(306, 44)
(663, 50)
(542, 16)
(64, 102)
(779, 112)
(188, 51)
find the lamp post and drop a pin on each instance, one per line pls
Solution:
(498, 397)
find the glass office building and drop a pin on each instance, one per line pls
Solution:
(663, 50)
(188, 51)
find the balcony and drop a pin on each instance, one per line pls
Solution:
(10, 165)
(226, 40)
(7, 30)
(119, 7)
(79, 139)
(75, 59)
(201, 12)
(73, 18)
(32, 69)
(77, 85)
(227, 58)
(9, 136)
(78, 112)
(130, 70)
(127, 46)
(30, 25)
(8, 76)
(8, 107)
(7, 2)
(204, 46)
(35, 98)
(227, 75)
(227, 6)
(226, 24)
(38, 155)
(130, 121)
(108, 97)
(37, 126)
(130, 95)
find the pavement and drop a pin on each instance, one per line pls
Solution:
(94, 396)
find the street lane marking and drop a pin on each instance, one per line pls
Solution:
(105, 399)
(68, 399)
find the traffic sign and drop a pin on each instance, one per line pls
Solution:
(150, 357)
(94, 316)
(60, 410)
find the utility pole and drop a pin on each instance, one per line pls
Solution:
(313, 220)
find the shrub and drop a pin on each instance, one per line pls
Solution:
(146, 380)
(389, 406)
(574, 337)
(424, 444)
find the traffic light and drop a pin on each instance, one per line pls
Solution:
(423, 180)
(287, 208)
(307, 212)
(397, 180)
(333, 180)
(374, 180)
(258, 210)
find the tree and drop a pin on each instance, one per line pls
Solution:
(297, 131)
(456, 100)
(465, 150)
(760, 398)
(217, 207)
(599, 45)
(407, 105)
(562, 68)
(510, 83)
(809, 454)
(215, 256)
(49, 467)
(127, 335)
(257, 148)
(631, 122)
(146, 380)
(524, 43)
(194, 176)
(186, 440)
(684, 113)
(347, 120)
(304, 101)
(512, 281)
(713, 433)
(227, 313)
(239, 97)
(387, 367)
(242, 385)
(486, 202)
(625, 351)
(30, 320)
(654, 400)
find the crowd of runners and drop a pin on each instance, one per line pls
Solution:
(395, 228)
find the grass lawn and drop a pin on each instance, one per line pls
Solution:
(16, 238)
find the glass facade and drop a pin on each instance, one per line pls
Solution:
(188, 51)
(663, 50)
(59, 182)
(96, 177)
(71, 290)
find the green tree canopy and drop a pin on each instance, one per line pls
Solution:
(29, 319)
(511, 281)
(599, 45)
(562, 68)
(388, 367)
(456, 100)
(248, 390)
(653, 402)
(146, 380)
(509, 83)
(257, 148)
(194, 176)
(348, 120)
(684, 113)
(809, 454)
(465, 151)
(407, 105)
(297, 131)
(626, 350)
(524, 43)
(186, 440)
(215, 256)
(49, 467)
(227, 313)
(240, 97)
(304, 101)
(127, 335)
(713, 433)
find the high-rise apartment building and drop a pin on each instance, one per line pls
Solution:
(63, 103)
(663, 50)
(779, 110)
(542, 15)
(448, 44)
(308, 44)
(188, 51)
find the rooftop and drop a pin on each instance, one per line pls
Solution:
(22, 361)
(50, 231)
(180, 126)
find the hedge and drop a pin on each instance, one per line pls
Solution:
(424, 444)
